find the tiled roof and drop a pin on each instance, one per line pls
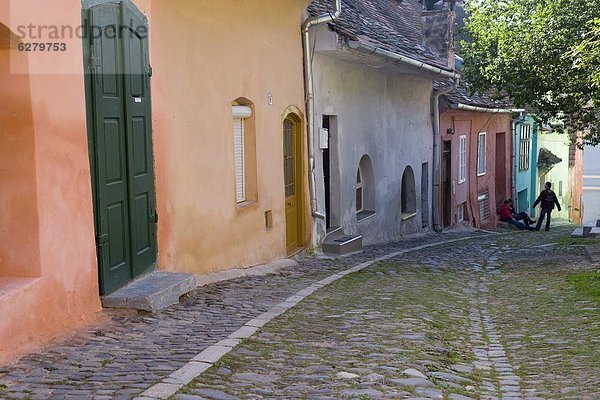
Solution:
(461, 95)
(393, 25)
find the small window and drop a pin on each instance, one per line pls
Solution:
(408, 195)
(560, 188)
(359, 192)
(239, 159)
(485, 215)
(244, 151)
(364, 189)
(460, 212)
(525, 145)
(481, 154)
(462, 159)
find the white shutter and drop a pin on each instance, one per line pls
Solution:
(462, 170)
(238, 151)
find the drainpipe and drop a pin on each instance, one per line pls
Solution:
(515, 123)
(399, 58)
(310, 99)
(435, 119)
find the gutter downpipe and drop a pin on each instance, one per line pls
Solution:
(466, 107)
(515, 124)
(310, 99)
(435, 119)
(395, 57)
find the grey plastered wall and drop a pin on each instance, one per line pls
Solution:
(387, 116)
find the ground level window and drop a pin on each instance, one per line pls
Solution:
(461, 212)
(359, 191)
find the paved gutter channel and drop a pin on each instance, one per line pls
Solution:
(131, 353)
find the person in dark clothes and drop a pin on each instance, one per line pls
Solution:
(548, 199)
(506, 216)
(522, 216)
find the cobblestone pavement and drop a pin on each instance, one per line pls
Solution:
(488, 318)
(124, 356)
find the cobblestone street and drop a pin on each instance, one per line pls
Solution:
(453, 316)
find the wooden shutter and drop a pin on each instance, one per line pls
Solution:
(238, 151)
(462, 171)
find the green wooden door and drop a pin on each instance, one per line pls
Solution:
(121, 138)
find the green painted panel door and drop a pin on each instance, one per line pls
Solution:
(123, 175)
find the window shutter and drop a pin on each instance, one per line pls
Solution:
(238, 151)
(462, 171)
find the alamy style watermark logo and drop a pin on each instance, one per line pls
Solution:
(50, 37)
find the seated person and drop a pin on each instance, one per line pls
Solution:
(506, 216)
(522, 216)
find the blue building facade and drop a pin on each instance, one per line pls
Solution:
(525, 150)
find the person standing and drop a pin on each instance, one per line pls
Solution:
(548, 199)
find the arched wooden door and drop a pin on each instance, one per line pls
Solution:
(292, 168)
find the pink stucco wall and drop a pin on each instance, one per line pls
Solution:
(48, 281)
(497, 178)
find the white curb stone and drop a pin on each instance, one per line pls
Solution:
(212, 354)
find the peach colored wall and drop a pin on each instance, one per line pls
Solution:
(205, 54)
(478, 122)
(19, 247)
(66, 292)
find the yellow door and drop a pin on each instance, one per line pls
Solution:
(291, 170)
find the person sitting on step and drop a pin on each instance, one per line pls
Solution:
(506, 216)
(522, 216)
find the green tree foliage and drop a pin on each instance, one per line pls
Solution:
(545, 54)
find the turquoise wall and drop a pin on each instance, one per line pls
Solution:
(526, 180)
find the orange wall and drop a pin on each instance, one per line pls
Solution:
(19, 246)
(52, 146)
(205, 54)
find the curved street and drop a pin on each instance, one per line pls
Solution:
(440, 316)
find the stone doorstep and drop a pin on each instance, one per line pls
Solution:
(159, 290)
(153, 292)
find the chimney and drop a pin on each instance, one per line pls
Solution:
(438, 28)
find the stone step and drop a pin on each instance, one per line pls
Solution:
(152, 292)
(578, 233)
(505, 225)
(339, 245)
(594, 232)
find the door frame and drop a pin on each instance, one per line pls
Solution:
(90, 124)
(294, 113)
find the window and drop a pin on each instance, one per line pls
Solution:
(460, 212)
(364, 189)
(525, 146)
(462, 159)
(289, 162)
(560, 188)
(485, 215)
(244, 151)
(359, 192)
(239, 159)
(481, 154)
(408, 195)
